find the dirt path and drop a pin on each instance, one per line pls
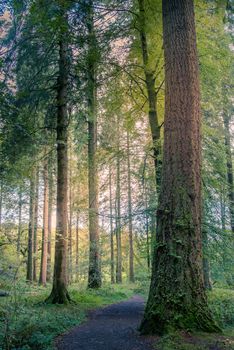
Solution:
(111, 328)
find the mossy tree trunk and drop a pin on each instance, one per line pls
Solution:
(94, 277)
(59, 293)
(35, 235)
(19, 221)
(50, 211)
(29, 276)
(118, 210)
(177, 298)
(44, 243)
(151, 93)
(230, 179)
(111, 230)
(130, 228)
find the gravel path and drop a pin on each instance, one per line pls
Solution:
(111, 328)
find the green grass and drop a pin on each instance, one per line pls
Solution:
(221, 302)
(28, 323)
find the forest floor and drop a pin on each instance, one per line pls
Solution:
(26, 323)
(115, 328)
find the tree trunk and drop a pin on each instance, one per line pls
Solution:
(177, 297)
(59, 293)
(131, 252)
(118, 212)
(111, 230)
(70, 272)
(230, 181)
(35, 243)
(19, 222)
(152, 96)
(44, 243)
(94, 278)
(1, 192)
(31, 226)
(147, 230)
(77, 247)
(50, 211)
(205, 261)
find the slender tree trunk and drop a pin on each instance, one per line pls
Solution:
(31, 226)
(44, 243)
(230, 180)
(152, 96)
(59, 293)
(131, 251)
(111, 230)
(1, 192)
(94, 278)
(19, 222)
(118, 212)
(205, 261)
(177, 298)
(77, 247)
(35, 242)
(50, 211)
(70, 272)
(147, 230)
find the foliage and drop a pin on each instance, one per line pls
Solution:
(27, 323)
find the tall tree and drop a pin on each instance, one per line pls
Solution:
(44, 243)
(130, 228)
(111, 230)
(94, 278)
(31, 225)
(150, 82)
(35, 238)
(59, 293)
(177, 295)
(118, 209)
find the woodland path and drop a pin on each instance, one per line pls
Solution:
(111, 328)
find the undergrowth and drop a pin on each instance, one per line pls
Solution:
(26, 323)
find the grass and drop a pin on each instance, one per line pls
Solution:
(26, 323)
(221, 302)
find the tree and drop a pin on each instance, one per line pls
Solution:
(150, 82)
(94, 278)
(131, 251)
(177, 295)
(59, 293)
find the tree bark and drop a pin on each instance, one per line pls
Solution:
(50, 211)
(152, 96)
(77, 247)
(44, 243)
(70, 267)
(147, 229)
(230, 180)
(130, 229)
(19, 222)
(177, 298)
(94, 277)
(205, 261)
(111, 230)
(35, 241)
(118, 212)
(59, 293)
(31, 226)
